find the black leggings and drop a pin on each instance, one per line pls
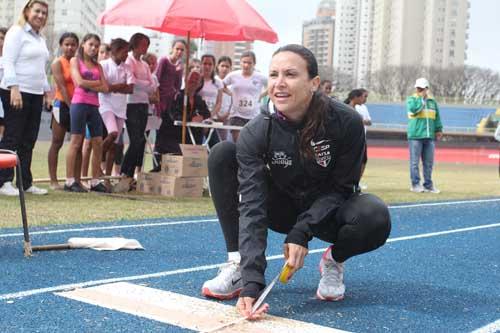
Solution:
(361, 224)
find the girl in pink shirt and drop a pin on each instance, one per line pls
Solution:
(89, 80)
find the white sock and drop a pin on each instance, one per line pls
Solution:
(94, 182)
(234, 256)
(70, 181)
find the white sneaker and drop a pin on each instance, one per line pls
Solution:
(36, 190)
(8, 189)
(417, 188)
(331, 286)
(226, 285)
(432, 190)
(363, 186)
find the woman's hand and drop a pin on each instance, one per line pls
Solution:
(245, 305)
(16, 100)
(47, 100)
(294, 255)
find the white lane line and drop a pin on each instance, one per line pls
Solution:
(161, 224)
(445, 203)
(114, 227)
(490, 328)
(184, 311)
(32, 292)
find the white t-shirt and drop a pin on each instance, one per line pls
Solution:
(115, 74)
(246, 92)
(143, 85)
(363, 111)
(209, 92)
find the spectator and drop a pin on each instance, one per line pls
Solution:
(89, 81)
(104, 54)
(61, 123)
(295, 172)
(424, 128)
(137, 110)
(196, 109)
(23, 89)
(326, 87)
(113, 105)
(246, 87)
(356, 99)
(224, 66)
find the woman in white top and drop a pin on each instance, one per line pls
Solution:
(113, 105)
(3, 31)
(247, 88)
(211, 90)
(224, 67)
(137, 109)
(22, 90)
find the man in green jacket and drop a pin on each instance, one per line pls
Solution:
(424, 127)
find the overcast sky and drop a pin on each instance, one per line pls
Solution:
(286, 17)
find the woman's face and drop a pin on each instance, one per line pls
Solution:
(177, 51)
(152, 63)
(36, 16)
(207, 65)
(103, 53)
(142, 47)
(68, 47)
(195, 66)
(223, 68)
(91, 47)
(247, 65)
(194, 81)
(289, 85)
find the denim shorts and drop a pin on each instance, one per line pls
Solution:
(85, 114)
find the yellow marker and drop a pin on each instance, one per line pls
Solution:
(285, 272)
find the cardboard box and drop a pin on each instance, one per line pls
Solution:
(192, 162)
(146, 181)
(180, 186)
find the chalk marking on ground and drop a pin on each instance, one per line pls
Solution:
(490, 328)
(33, 292)
(184, 311)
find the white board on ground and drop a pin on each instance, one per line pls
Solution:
(183, 311)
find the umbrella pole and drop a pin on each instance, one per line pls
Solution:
(184, 104)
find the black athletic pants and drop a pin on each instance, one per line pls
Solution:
(137, 118)
(21, 133)
(361, 224)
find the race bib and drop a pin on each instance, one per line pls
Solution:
(246, 104)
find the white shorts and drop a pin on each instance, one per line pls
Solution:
(113, 123)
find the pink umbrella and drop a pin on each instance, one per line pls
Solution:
(221, 20)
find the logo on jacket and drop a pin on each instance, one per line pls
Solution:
(281, 158)
(322, 152)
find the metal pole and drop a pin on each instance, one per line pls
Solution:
(184, 104)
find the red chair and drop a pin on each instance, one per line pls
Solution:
(9, 159)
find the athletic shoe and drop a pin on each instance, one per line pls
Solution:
(36, 190)
(417, 188)
(331, 285)
(432, 190)
(99, 188)
(9, 190)
(226, 285)
(75, 187)
(363, 186)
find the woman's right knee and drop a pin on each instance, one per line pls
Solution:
(222, 153)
